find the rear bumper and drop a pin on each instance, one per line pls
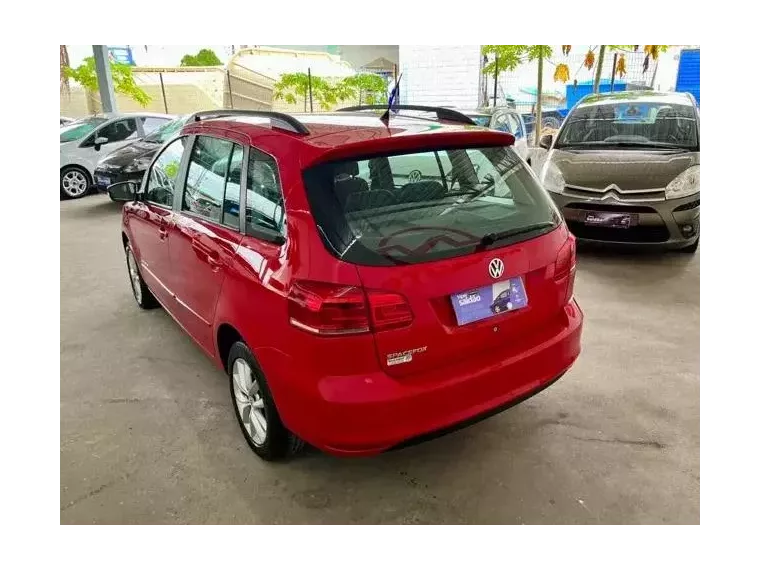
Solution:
(662, 224)
(373, 413)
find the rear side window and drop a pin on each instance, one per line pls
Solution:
(427, 205)
(264, 211)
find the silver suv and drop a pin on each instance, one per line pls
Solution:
(624, 168)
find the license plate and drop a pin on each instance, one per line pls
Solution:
(103, 181)
(610, 219)
(490, 300)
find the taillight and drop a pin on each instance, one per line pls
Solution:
(564, 267)
(389, 310)
(329, 309)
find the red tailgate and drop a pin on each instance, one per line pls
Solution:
(434, 338)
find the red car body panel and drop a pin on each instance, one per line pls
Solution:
(340, 393)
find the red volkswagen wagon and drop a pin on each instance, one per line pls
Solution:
(342, 271)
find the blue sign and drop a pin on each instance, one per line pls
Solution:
(121, 54)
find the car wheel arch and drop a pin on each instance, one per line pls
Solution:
(81, 167)
(226, 336)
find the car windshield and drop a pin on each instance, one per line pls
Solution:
(166, 131)
(631, 124)
(80, 129)
(432, 204)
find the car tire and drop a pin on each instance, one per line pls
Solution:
(691, 248)
(255, 409)
(75, 182)
(143, 297)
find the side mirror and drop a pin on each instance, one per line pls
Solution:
(545, 141)
(100, 141)
(123, 191)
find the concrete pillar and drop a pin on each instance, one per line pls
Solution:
(105, 82)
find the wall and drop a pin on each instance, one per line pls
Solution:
(186, 92)
(440, 75)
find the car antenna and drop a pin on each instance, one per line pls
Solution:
(392, 102)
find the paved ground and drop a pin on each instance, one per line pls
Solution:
(148, 434)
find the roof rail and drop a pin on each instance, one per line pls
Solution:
(279, 120)
(442, 113)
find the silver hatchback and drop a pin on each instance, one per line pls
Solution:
(624, 169)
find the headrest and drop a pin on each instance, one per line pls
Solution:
(346, 168)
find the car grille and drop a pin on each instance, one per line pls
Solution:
(634, 234)
(655, 195)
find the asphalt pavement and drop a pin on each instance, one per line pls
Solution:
(148, 434)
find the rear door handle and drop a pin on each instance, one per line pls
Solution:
(210, 255)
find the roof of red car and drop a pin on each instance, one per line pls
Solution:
(330, 130)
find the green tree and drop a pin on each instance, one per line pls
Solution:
(369, 88)
(509, 57)
(123, 81)
(204, 57)
(293, 86)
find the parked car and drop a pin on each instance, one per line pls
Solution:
(551, 119)
(352, 310)
(624, 169)
(130, 161)
(505, 119)
(85, 141)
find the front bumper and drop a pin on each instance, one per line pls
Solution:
(104, 178)
(376, 412)
(667, 224)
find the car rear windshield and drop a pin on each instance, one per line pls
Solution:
(427, 205)
(80, 129)
(631, 124)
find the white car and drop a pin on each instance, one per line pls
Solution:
(85, 141)
(504, 119)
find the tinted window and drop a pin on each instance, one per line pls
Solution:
(263, 197)
(150, 124)
(629, 124)
(117, 131)
(231, 210)
(163, 174)
(385, 219)
(206, 173)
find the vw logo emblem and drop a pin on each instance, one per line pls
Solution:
(496, 268)
(415, 176)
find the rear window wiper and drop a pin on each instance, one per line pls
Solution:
(490, 239)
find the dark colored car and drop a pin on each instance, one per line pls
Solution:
(131, 161)
(334, 292)
(502, 301)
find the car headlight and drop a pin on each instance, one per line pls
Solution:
(685, 184)
(552, 178)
